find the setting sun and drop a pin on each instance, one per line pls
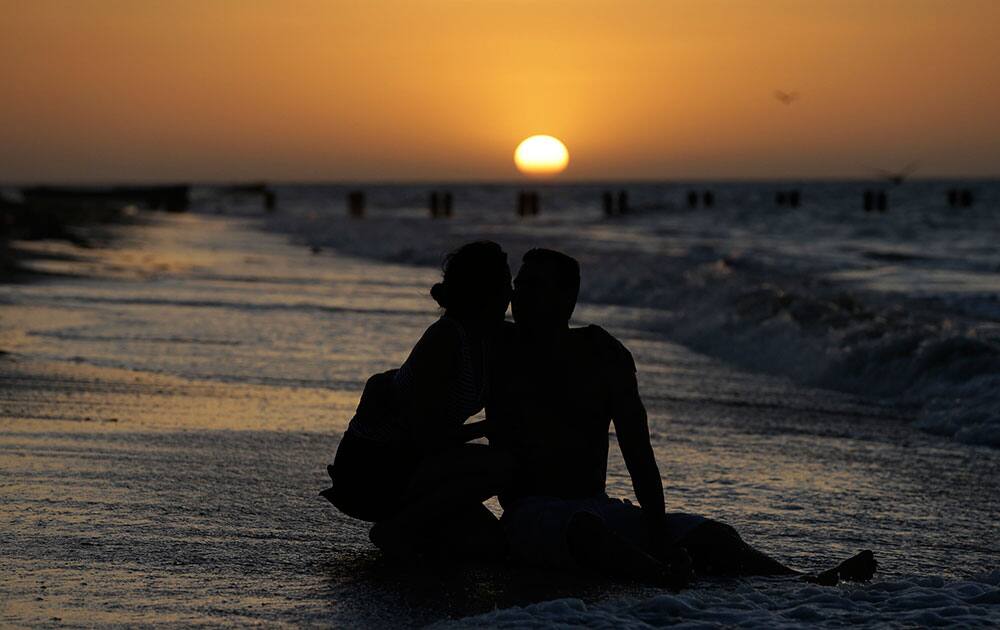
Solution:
(541, 155)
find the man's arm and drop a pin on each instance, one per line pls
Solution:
(632, 428)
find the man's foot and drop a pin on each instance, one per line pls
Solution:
(858, 568)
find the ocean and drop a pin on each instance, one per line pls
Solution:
(820, 377)
(902, 305)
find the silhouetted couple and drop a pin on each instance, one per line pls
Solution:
(551, 393)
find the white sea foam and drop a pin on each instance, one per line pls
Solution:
(906, 602)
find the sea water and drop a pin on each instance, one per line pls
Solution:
(903, 304)
(167, 419)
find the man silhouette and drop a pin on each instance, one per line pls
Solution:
(555, 392)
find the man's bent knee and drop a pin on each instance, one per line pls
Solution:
(583, 531)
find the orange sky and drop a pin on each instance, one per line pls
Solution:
(307, 90)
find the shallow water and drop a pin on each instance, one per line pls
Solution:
(166, 419)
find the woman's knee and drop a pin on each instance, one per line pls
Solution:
(353, 506)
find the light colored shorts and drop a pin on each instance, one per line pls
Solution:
(536, 527)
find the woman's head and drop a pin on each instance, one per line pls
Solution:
(476, 283)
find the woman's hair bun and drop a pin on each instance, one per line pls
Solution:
(440, 294)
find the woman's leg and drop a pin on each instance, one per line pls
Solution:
(443, 486)
(468, 534)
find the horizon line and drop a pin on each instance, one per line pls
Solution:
(88, 183)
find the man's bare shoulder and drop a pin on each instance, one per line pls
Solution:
(602, 346)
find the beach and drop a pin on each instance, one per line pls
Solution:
(168, 405)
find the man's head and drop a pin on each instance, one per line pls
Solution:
(545, 290)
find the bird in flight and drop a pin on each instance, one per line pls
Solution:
(786, 98)
(898, 177)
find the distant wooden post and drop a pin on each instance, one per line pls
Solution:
(609, 203)
(692, 199)
(965, 198)
(708, 199)
(175, 198)
(531, 204)
(622, 202)
(270, 200)
(960, 197)
(433, 204)
(356, 203)
(869, 200)
(527, 204)
(791, 198)
(882, 201)
(446, 204)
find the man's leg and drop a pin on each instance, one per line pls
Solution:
(595, 546)
(716, 549)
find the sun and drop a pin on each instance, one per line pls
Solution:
(541, 156)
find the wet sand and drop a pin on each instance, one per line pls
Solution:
(154, 471)
(166, 416)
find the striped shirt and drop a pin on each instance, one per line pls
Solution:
(388, 409)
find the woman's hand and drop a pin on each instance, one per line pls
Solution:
(454, 438)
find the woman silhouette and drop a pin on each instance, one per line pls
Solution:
(404, 462)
